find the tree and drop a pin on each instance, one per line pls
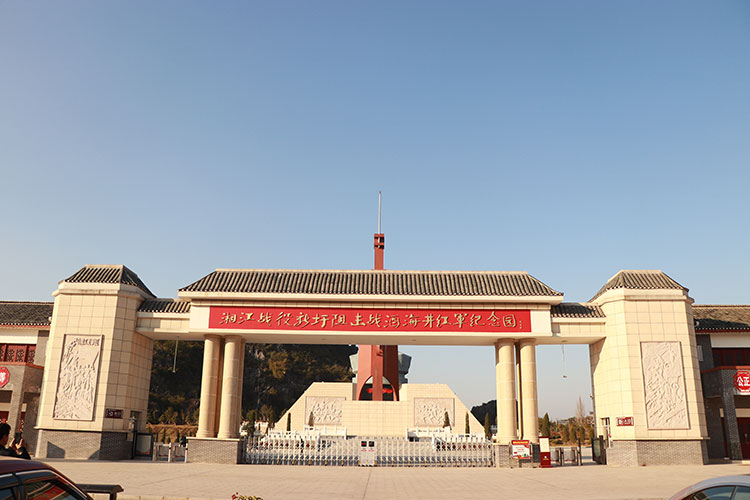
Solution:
(164, 435)
(580, 411)
(288, 422)
(544, 427)
(467, 429)
(564, 435)
(487, 428)
(251, 417)
(311, 420)
(446, 420)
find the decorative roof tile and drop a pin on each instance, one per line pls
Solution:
(716, 318)
(576, 310)
(117, 274)
(25, 313)
(426, 283)
(164, 306)
(640, 280)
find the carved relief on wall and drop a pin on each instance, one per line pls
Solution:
(77, 380)
(430, 412)
(325, 411)
(664, 384)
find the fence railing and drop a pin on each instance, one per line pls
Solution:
(459, 451)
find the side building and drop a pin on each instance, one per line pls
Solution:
(24, 331)
(723, 336)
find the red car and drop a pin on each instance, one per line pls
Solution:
(30, 480)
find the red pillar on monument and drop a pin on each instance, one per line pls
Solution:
(377, 361)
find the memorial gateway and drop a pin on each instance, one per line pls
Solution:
(667, 379)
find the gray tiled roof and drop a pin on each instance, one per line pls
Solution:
(435, 283)
(640, 280)
(713, 318)
(25, 313)
(117, 274)
(164, 306)
(576, 310)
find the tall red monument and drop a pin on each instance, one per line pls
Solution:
(377, 363)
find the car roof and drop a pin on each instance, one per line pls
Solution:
(11, 464)
(738, 480)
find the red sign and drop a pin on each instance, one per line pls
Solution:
(4, 376)
(742, 381)
(369, 320)
(624, 421)
(520, 449)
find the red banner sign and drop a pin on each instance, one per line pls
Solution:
(742, 381)
(624, 421)
(369, 320)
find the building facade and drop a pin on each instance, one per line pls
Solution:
(659, 395)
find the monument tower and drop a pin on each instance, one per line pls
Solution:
(377, 365)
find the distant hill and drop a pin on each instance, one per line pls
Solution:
(275, 376)
(489, 407)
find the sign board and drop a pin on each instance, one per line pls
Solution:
(111, 413)
(624, 421)
(314, 319)
(4, 376)
(742, 381)
(521, 449)
(545, 457)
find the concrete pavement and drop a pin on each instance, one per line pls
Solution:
(158, 480)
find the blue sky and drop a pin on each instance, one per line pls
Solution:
(566, 139)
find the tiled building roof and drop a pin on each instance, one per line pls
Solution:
(164, 306)
(25, 313)
(576, 310)
(443, 283)
(640, 280)
(117, 274)
(713, 318)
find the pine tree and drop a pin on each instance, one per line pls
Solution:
(446, 420)
(288, 422)
(544, 428)
(311, 420)
(487, 428)
(467, 429)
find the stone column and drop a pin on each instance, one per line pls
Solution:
(16, 403)
(505, 381)
(528, 381)
(209, 382)
(229, 420)
(731, 429)
(238, 407)
(519, 391)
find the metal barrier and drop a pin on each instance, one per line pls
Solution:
(293, 449)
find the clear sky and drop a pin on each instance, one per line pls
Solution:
(567, 139)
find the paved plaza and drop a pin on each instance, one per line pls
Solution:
(155, 481)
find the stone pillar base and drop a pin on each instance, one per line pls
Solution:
(657, 452)
(87, 445)
(215, 451)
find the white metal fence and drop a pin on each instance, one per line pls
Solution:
(291, 449)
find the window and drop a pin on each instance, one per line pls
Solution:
(50, 489)
(715, 493)
(742, 493)
(17, 353)
(734, 356)
(6, 494)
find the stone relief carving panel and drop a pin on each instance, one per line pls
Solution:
(664, 385)
(430, 412)
(77, 381)
(325, 411)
